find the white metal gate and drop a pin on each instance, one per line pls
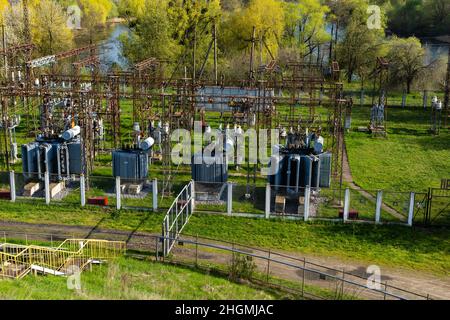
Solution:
(177, 217)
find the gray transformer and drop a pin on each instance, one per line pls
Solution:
(130, 164)
(325, 170)
(206, 169)
(297, 171)
(59, 159)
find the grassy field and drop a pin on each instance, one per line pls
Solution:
(395, 246)
(127, 279)
(410, 159)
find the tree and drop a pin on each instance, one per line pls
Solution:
(95, 13)
(49, 28)
(168, 29)
(407, 18)
(360, 45)
(48, 25)
(3, 7)
(131, 8)
(437, 16)
(266, 16)
(151, 35)
(406, 57)
(305, 25)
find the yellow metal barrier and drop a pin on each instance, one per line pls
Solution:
(16, 261)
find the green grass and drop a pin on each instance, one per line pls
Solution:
(410, 159)
(395, 246)
(127, 279)
(392, 246)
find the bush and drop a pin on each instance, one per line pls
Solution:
(242, 267)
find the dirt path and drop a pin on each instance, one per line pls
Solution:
(437, 286)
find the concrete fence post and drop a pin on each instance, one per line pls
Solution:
(346, 204)
(229, 198)
(118, 194)
(378, 207)
(268, 201)
(12, 186)
(404, 99)
(306, 207)
(192, 196)
(83, 190)
(47, 187)
(155, 195)
(425, 99)
(412, 201)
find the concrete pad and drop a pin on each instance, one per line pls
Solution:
(31, 188)
(56, 188)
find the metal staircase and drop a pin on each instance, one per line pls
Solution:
(16, 261)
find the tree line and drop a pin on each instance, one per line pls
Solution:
(191, 33)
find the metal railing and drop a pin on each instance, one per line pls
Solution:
(17, 260)
(272, 268)
(300, 274)
(177, 217)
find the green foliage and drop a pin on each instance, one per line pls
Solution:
(48, 25)
(241, 267)
(129, 279)
(151, 35)
(49, 28)
(419, 17)
(168, 29)
(266, 16)
(406, 58)
(395, 246)
(95, 12)
(305, 25)
(360, 46)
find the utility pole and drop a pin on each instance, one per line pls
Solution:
(26, 22)
(5, 56)
(194, 67)
(252, 53)
(5, 123)
(215, 53)
(447, 92)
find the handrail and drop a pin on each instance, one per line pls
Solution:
(271, 259)
(57, 258)
(283, 255)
